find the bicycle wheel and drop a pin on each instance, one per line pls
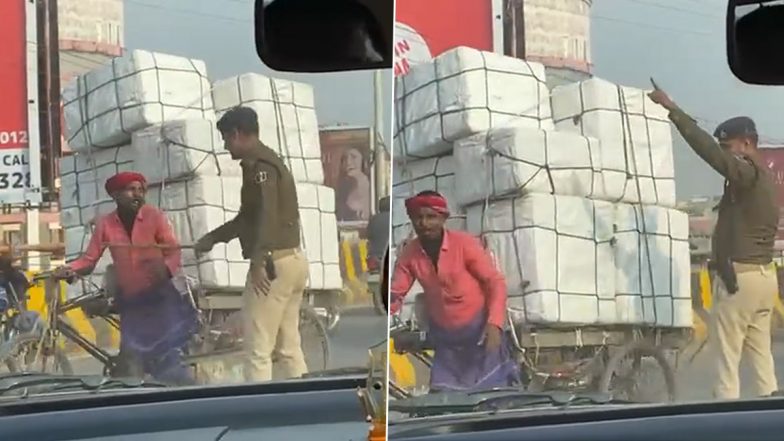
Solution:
(28, 359)
(315, 340)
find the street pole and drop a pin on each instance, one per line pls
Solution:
(379, 152)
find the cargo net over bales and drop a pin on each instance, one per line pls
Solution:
(556, 254)
(193, 178)
(574, 261)
(635, 135)
(462, 92)
(652, 260)
(287, 119)
(550, 199)
(514, 159)
(103, 107)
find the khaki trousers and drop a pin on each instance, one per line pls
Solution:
(271, 316)
(742, 326)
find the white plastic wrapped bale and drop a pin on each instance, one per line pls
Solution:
(287, 119)
(194, 208)
(653, 275)
(320, 235)
(104, 106)
(561, 246)
(181, 149)
(412, 177)
(202, 204)
(514, 160)
(635, 135)
(82, 180)
(462, 92)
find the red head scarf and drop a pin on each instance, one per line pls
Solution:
(122, 180)
(435, 202)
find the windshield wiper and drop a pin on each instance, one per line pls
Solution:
(353, 370)
(27, 384)
(495, 400)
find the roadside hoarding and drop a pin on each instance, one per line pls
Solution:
(346, 156)
(774, 160)
(432, 27)
(19, 143)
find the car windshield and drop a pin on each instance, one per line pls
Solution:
(587, 144)
(156, 262)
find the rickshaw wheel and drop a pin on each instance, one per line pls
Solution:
(645, 360)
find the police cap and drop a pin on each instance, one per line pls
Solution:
(735, 128)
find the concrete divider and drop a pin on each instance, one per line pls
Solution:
(354, 269)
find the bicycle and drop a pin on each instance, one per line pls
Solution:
(212, 340)
(591, 358)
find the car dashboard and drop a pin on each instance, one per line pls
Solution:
(751, 420)
(327, 409)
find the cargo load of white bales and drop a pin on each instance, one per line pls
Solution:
(191, 176)
(574, 203)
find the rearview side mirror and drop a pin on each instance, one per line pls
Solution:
(755, 41)
(324, 35)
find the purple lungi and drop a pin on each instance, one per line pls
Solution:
(461, 364)
(155, 327)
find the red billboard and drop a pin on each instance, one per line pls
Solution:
(440, 25)
(13, 76)
(17, 32)
(774, 160)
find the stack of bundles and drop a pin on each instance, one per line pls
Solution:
(287, 119)
(103, 107)
(288, 125)
(635, 133)
(652, 276)
(458, 94)
(651, 251)
(577, 214)
(191, 176)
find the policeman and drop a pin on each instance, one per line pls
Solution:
(746, 287)
(268, 228)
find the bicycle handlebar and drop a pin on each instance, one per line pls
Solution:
(151, 245)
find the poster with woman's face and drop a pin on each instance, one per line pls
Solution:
(345, 154)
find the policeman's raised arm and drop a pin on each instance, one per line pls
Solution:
(735, 168)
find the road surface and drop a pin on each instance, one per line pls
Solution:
(695, 380)
(357, 331)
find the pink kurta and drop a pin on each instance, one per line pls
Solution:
(465, 284)
(134, 265)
